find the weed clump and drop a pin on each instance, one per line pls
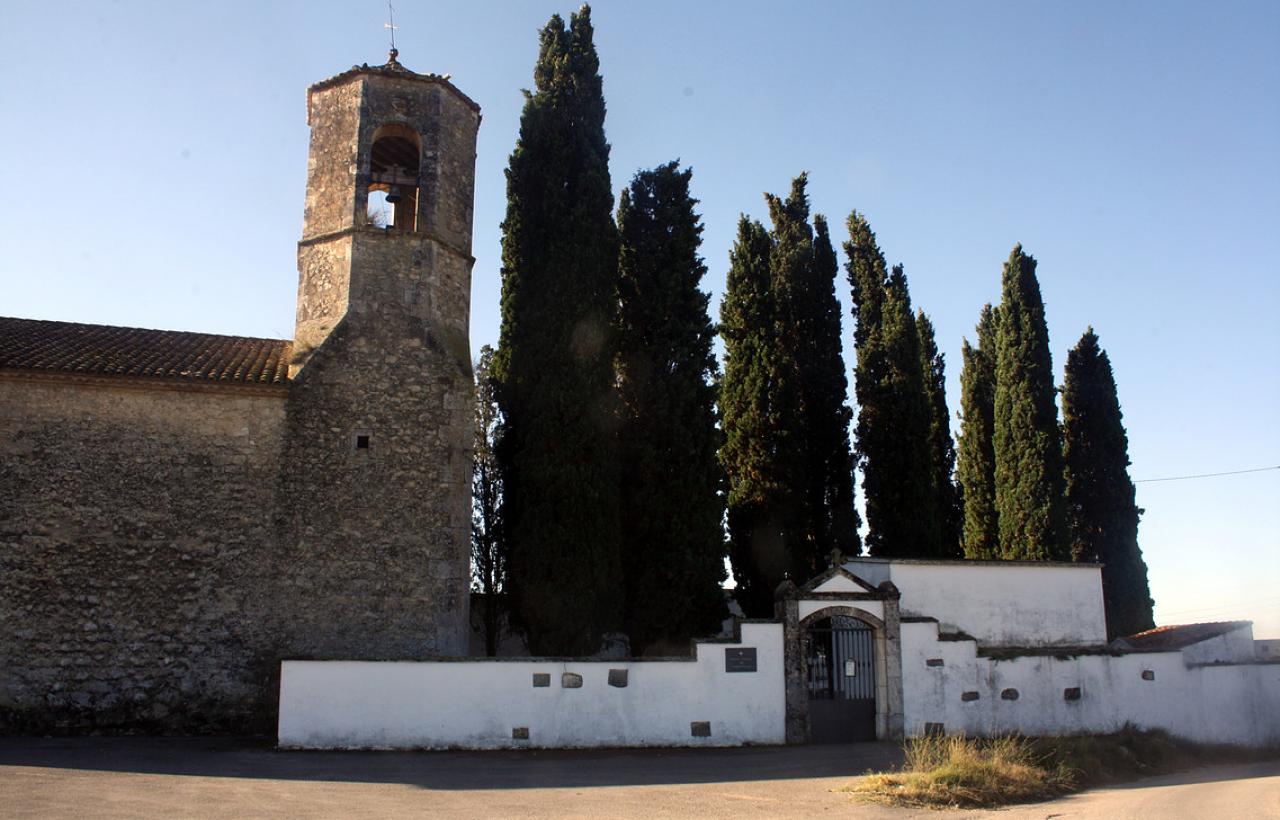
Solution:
(967, 772)
(954, 771)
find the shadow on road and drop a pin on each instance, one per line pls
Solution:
(1214, 773)
(258, 759)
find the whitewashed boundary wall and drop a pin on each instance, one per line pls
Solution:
(949, 684)
(504, 704)
(999, 603)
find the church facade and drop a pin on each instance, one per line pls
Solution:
(182, 511)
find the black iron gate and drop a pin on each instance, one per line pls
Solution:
(840, 658)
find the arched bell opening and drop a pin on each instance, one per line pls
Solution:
(394, 166)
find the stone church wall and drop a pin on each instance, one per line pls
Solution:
(135, 531)
(376, 538)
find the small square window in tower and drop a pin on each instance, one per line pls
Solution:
(393, 177)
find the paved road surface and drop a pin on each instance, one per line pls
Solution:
(1237, 792)
(220, 778)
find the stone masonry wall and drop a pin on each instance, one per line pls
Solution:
(134, 557)
(163, 547)
(375, 487)
(376, 539)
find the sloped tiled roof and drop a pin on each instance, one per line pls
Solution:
(102, 350)
(1179, 636)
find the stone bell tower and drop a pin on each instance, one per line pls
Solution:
(375, 475)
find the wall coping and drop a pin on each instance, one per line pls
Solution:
(970, 562)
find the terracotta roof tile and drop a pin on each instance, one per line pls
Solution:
(70, 347)
(1179, 636)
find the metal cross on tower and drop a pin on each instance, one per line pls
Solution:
(391, 25)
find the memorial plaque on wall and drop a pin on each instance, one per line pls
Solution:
(740, 660)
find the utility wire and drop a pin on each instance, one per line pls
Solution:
(1260, 602)
(1206, 475)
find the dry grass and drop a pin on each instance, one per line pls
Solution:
(956, 771)
(960, 772)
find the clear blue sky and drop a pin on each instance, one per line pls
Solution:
(154, 157)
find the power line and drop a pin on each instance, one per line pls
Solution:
(1207, 475)
(1259, 602)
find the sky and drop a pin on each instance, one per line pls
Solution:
(155, 158)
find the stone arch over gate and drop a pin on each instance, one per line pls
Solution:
(840, 593)
(879, 688)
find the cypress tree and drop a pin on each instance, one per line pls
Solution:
(555, 359)
(836, 522)
(1102, 512)
(1027, 440)
(673, 542)
(488, 555)
(942, 450)
(786, 420)
(892, 435)
(976, 462)
(757, 550)
(809, 385)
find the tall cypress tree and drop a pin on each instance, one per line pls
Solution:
(786, 420)
(893, 427)
(976, 462)
(555, 359)
(942, 449)
(1027, 439)
(836, 519)
(488, 553)
(1102, 512)
(757, 549)
(672, 543)
(809, 385)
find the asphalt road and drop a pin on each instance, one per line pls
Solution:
(227, 778)
(220, 778)
(1235, 792)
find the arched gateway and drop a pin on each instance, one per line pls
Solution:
(843, 657)
(840, 678)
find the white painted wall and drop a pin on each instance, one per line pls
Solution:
(475, 704)
(1235, 646)
(1223, 703)
(874, 608)
(999, 603)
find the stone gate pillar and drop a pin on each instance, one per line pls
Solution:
(786, 608)
(893, 661)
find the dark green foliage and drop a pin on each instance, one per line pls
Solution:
(976, 464)
(1102, 513)
(1027, 440)
(942, 449)
(787, 450)
(554, 364)
(757, 496)
(809, 385)
(834, 520)
(672, 541)
(488, 556)
(893, 432)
